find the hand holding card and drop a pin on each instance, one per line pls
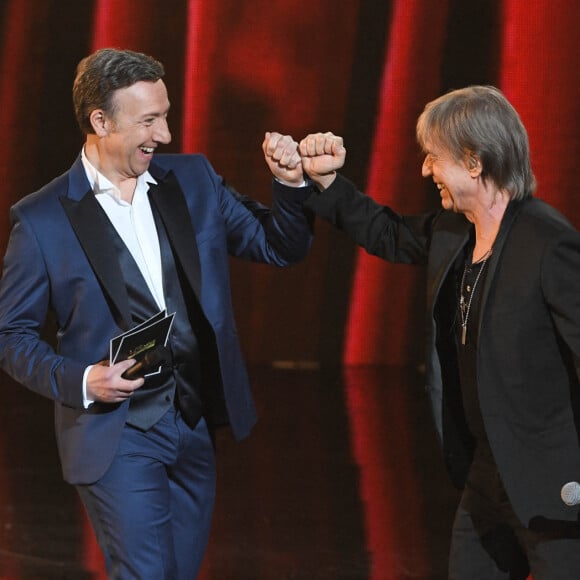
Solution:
(146, 343)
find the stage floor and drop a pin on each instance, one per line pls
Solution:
(341, 479)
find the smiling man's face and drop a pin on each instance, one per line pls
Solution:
(138, 126)
(452, 177)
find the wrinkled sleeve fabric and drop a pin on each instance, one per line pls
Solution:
(24, 301)
(377, 228)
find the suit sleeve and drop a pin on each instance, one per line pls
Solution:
(378, 229)
(561, 287)
(278, 235)
(24, 299)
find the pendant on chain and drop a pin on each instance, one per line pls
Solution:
(465, 305)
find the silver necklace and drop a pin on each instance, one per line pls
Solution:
(465, 305)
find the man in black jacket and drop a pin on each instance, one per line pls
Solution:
(503, 301)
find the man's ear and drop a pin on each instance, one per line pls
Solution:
(474, 165)
(99, 122)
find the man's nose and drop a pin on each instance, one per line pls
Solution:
(162, 133)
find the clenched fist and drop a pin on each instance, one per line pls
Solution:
(281, 154)
(322, 155)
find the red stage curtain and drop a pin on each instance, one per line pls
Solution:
(539, 74)
(251, 68)
(19, 97)
(384, 297)
(538, 71)
(236, 70)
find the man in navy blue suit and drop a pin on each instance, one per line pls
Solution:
(123, 235)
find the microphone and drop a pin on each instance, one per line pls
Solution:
(570, 493)
(153, 358)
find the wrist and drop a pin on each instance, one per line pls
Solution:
(300, 183)
(324, 181)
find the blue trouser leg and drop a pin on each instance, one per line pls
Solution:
(152, 510)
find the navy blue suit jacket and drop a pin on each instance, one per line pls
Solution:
(58, 259)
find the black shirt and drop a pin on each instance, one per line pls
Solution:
(471, 281)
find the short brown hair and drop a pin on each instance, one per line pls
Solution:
(100, 74)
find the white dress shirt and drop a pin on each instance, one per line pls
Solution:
(135, 224)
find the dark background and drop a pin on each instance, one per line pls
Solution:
(339, 336)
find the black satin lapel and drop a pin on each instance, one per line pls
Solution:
(87, 220)
(172, 207)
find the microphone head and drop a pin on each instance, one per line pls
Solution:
(570, 493)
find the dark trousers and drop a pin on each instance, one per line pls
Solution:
(152, 510)
(490, 543)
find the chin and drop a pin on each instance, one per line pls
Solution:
(447, 204)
